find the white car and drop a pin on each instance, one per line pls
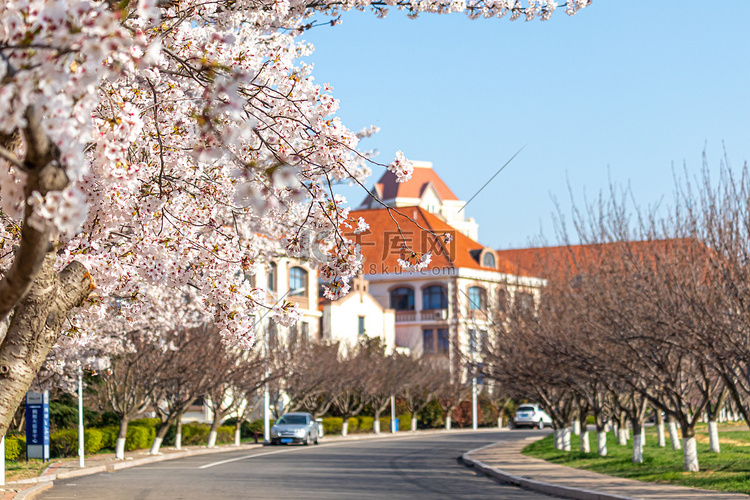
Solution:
(530, 415)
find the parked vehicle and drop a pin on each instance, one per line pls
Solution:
(300, 428)
(531, 415)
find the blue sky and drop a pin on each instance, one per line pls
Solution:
(623, 91)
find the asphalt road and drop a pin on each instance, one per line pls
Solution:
(407, 467)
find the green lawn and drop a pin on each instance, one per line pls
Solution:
(727, 471)
(15, 471)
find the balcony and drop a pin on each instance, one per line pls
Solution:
(404, 316)
(433, 315)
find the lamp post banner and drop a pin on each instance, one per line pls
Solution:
(37, 425)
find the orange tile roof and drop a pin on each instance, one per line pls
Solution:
(382, 244)
(546, 261)
(387, 188)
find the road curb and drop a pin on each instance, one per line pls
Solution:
(31, 493)
(540, 486)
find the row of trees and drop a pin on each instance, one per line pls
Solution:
(651, 311)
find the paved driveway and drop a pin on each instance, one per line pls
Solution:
(407, 467)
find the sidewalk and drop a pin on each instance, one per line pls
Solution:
(505, 462)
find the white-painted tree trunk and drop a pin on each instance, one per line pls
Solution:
(601, 443)
(566, 439)
(713, 437)
(448, 423)
(577, 427)
(622, 437)
(345, 428)
(376, 426)
(212, 438)
(557, 438)
(690, 455)
(499, 421)
(643, 437)
(628, 436)
(155, 446)
(120, 449)
(414, 423)
(638, 448)
(237, 437)
(673, 437)
(585, 446)
(616, 428)
(660, 435)
(178, 435)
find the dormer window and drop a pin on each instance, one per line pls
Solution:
(488, 260)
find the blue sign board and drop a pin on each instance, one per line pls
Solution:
(37, 425)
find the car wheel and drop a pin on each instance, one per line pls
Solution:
(317, 439)
(541, 424)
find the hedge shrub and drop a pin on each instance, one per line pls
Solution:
(154, 423)
(365, 424)
(353, 424)
(138, 437)
(109, 436)
(225, 434)
(14, 448)
(194, 433)
(92, 440)
(385, 424)
(332, 425)
(64, 443)
(404, 422)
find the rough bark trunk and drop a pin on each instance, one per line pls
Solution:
(585, 446)
(34, 328)
(690, 454)
(121, 437)
(601, 443)
(673, 437)
(713, 437)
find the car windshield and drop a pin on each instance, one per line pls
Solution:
(292, 420)
(526, 408)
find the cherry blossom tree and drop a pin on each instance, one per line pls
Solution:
(171, 143)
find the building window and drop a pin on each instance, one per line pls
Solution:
(402, 299)
(428, 341)
(434, 297)
(477, 298)
(488, 260)
(271, 277)
(482, 340)
(297, 282)
(443, 341)
(361, 325)
(472, 341)
(524, 301)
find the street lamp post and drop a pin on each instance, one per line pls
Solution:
(80, 417)
(474, 399)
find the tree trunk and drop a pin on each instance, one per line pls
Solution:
(585, 446)
(577, 427)
(121, 437)
(713, 437)
(448, 422)
(660, 429)
(566, 439)
(238, 432)
(638, 442)
(35, 327)
(690, 454)
(557, 438)
(345, 427)
(178, 435)
(673, 437)
(156, 445)
(500, 421)
(601, 443)
(413, 422)
(376, 422)
(214, 429)
(622, 436)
